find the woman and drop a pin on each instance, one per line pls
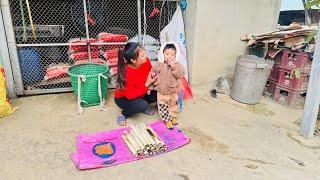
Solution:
(131, 93)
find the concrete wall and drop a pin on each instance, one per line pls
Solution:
(213, 31)
(1, 63)
(190, 21)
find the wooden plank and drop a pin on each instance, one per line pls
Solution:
(311, 106)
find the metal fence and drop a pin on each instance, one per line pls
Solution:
(47, 31)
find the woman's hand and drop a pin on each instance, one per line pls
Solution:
(151, 79)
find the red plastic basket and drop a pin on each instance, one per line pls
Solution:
(295, 60)
(288, 79)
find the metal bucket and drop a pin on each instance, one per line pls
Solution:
(250, 77)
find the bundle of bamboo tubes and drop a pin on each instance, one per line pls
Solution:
(143, 141)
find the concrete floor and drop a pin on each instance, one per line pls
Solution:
(229, 141)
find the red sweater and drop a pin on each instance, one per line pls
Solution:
(135, 82)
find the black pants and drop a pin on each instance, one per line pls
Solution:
(134, 106)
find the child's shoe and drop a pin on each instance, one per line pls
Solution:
(174, 121)
(169, 125)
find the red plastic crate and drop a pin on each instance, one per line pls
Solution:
(277, 59)
(271, 86)
(288, 79)
(274, 74)
(294, 60)
(288, 96)
(275, 55)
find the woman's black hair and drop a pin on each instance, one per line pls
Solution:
(125, 56)
(169, 46)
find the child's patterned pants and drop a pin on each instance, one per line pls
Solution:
(168, 106)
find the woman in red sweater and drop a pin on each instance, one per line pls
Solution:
(131, 92)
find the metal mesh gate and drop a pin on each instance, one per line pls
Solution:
(53, 35)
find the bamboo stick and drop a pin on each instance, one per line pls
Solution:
(138, 134)
(137, 139)
(143, 141)
(163, 146)
(131, 138)
(142, 135)
(154, 138)
(155, 135)
(133, 142)
(147, 135)
(153, 148)
(31, 21)
(131, 148)
(145, 129)
(146, 153)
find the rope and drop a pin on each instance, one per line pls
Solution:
(80, 79)
(100, 90)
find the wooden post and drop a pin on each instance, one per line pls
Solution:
(306, 13)
(311, 106)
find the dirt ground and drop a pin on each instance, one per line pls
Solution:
(229, 141)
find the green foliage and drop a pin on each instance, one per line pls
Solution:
(311, 3)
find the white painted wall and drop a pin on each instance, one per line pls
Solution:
(213, 31)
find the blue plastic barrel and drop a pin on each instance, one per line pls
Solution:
(30, 65)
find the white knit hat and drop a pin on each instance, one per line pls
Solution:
(160, 53)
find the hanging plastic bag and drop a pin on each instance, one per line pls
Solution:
(5, 107)
(174, 31)
(151, 45)
(186, 89)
